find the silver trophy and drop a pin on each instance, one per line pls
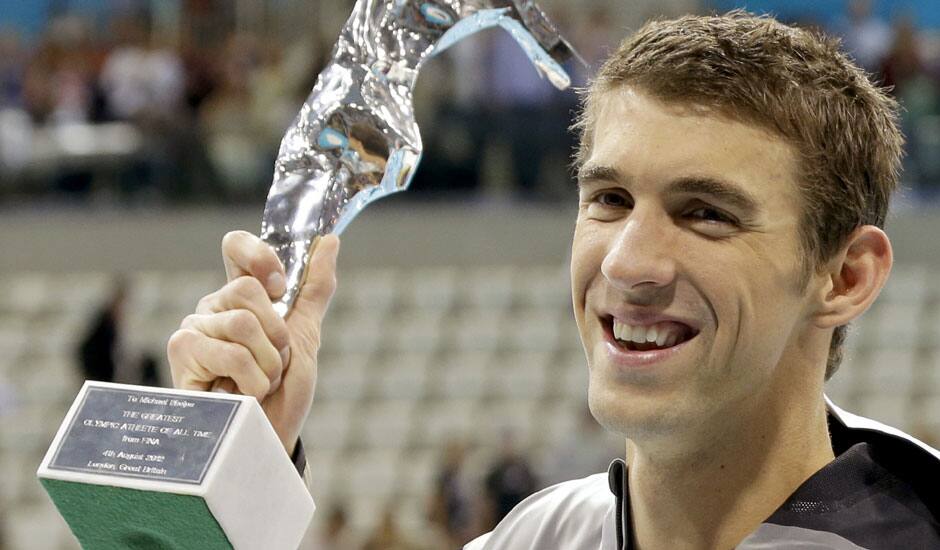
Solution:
(355, 139)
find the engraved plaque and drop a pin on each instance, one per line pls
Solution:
(135, 465)
(134, 433)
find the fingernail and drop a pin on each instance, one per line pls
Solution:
(285, 356)
(276, 284)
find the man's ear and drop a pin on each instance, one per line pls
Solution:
(855, 277)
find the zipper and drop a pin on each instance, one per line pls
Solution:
(617, 477)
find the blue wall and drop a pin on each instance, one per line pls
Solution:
(30, 16)
(926, 13)
(26, 16)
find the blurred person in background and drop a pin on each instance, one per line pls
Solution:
(59, 88)
(199, 65)
(509, 480)
(144, 82)
(59, 80)
(904, 70)
(456, 138)
(100, 349)
(867, 37)
(148, 371)
(526, 117)
(335, 534)
(274, 101)
(595, 36)
(450, 505)
(388, 536)
(233, 133)
(142, 78)
(73, 80)
(734, 180)
(12, 67)
(16, 124)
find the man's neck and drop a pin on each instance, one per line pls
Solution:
(714, 495)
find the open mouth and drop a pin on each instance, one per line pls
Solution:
(657, 336)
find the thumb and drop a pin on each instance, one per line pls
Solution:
(314, 297)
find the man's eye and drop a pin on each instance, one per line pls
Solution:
(711, 215)
(615, 200)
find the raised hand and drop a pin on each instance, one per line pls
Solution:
(236, 342)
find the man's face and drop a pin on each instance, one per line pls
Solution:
(687, 228)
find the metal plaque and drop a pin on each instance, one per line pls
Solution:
(131, 433)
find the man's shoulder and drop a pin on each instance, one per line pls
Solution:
(572, 514)
(878, 493)
(904, 456)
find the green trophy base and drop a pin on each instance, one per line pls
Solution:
(149, 468)
(185, 521)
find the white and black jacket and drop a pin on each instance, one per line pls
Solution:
(881, 492)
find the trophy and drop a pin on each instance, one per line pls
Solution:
(138, 467)
(152, 468)
(355, 139)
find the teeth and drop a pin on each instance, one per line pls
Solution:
(663, 334)
(623, 332)
(662, 337)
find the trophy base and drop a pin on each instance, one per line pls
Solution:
(183, 521)
(151, 468)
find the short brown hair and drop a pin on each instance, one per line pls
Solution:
(793, 82)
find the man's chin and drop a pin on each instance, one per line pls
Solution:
(636, 417)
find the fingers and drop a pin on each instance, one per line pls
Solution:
(245, 254)
(224, 385)
(247, 293)
(196, 360)
(314, 297)
(240, 326)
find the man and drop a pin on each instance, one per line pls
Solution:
(734, 174)
(99, 350)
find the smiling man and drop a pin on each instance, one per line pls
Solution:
(734, 175)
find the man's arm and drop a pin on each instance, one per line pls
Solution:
(235, 341)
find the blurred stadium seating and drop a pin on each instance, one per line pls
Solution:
(414, 356)
(396, 382)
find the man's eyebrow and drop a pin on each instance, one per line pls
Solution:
(599, 173)
(722, 190)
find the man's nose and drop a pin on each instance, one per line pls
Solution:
(642, 254)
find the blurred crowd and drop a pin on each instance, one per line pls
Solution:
(207, 112)
(907, 60)
(203, 112)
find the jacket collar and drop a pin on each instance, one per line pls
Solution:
(843, 425)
